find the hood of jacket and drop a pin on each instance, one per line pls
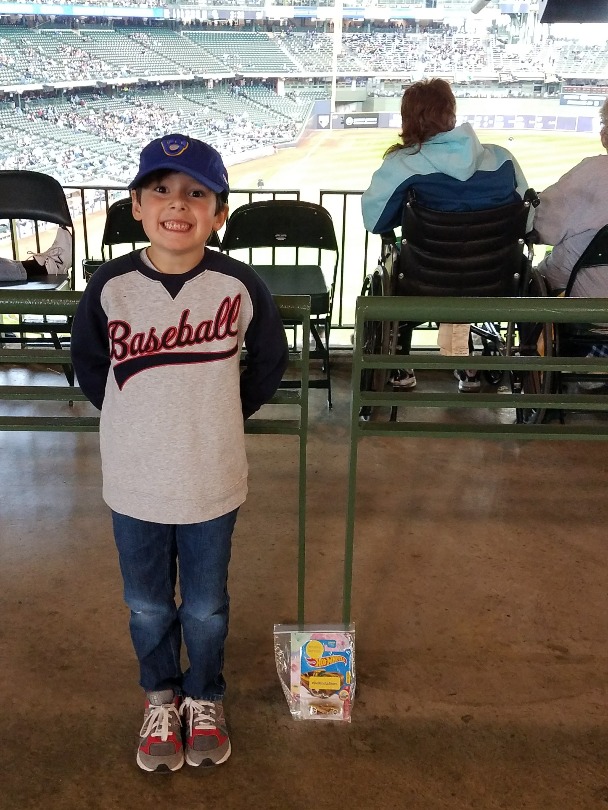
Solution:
(457, 153)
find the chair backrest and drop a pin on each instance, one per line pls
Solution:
(594, 255)
(279, 224)
(40, 200)
(469, 253)
(121, 228)
(33, 195)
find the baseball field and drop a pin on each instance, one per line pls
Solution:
(346, 159)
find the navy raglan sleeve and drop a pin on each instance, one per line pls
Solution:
(267, 351)
(90, 345)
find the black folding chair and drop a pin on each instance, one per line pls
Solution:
(31, 201)
(120, 229)
(286, 242)
(34, 197)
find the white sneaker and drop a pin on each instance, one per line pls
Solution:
(58, 258)
(592, 386)
(469, 382)
(403, 378)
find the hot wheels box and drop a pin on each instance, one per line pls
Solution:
(316, 666)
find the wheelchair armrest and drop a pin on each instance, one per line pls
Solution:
(532, 197)
(388, 238)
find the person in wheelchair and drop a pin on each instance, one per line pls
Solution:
(448, 169)
(570, 214)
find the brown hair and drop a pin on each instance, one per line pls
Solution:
(428, 107)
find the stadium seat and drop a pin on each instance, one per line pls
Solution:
(278, 237)
(120, 229)
(38, 199)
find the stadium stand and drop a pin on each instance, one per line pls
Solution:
(69, 95)
(181, 49)
(129, 55)
(245, 52)
(62, 55)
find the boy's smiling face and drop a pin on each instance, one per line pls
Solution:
(178, 214)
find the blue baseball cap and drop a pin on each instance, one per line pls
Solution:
(180, 153)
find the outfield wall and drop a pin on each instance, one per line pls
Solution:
(544, 115)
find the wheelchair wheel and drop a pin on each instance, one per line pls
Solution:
(492, 345)
(378, 338)
(536, 382)
(535, 340)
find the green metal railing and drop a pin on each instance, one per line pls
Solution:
(467, 310)
(295, 309)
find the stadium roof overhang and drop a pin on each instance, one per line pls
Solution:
(178, 77)
(114, 82)
(21, 88)
(71, 83)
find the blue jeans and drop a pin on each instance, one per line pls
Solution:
(148, 555)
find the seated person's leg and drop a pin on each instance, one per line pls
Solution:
(404, 377)
(555, 278)
(57, 259)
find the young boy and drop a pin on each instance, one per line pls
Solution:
(156, 345)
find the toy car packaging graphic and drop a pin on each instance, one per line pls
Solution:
(316, 667)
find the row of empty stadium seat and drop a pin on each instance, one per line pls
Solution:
(45, 55)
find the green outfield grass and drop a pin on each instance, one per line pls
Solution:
(345, 160)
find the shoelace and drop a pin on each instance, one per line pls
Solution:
(156, 723)
(200, 714)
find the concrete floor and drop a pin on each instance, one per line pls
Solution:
(479, 599)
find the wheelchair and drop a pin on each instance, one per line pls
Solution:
(568, 339)
(447, 253)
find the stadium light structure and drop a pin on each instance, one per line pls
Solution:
(336, 49)
(478, 5)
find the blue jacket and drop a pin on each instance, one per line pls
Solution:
(452, 171)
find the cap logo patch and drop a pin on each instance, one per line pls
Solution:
(174, 147)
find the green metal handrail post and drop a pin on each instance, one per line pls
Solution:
(352, 467)
(297, 308)
(467, 310)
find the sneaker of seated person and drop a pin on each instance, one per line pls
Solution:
(403, 378)
(592, 386)
(599, 385)
(469, 382)
(57, 259)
